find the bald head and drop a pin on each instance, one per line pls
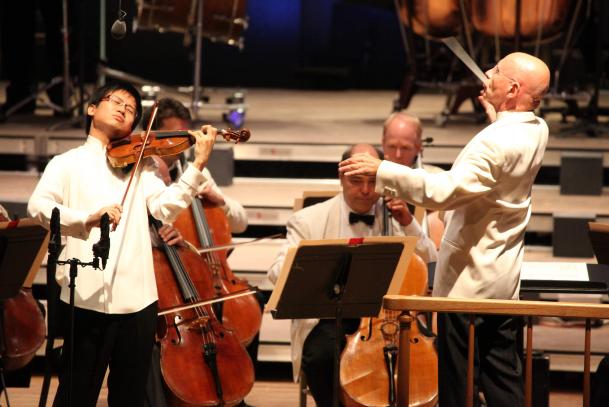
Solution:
(518, 82)
(361, 148)
(358, 190)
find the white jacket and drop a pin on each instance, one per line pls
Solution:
(329, 220)
(487, 194)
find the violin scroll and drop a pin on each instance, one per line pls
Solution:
(237, 136)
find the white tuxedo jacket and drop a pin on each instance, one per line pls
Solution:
(487, 194)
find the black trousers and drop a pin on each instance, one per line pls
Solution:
(122, 342)
(318, 358)
(498, 368)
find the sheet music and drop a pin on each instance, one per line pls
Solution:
(554, 271)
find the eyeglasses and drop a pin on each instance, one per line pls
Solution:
(118, 102)
(495, 71)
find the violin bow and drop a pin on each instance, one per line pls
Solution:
(155, 107)
(222, 298)
(233, 245)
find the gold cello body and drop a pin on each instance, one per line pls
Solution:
(364, 377)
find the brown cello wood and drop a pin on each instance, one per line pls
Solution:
(189, 337)
(436, 228)
(363, 374)
(24, 327)
(207, 226)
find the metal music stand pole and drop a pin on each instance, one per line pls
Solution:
(74, 263)
(66, 57)
(196, 92)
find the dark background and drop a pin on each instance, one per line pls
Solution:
(316, 44)
(289, 43)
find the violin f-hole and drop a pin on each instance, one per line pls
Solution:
(177, 320)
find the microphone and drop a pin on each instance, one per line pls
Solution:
(119, 28)
(55, 240)
(101, 249)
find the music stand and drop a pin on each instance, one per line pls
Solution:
(22, 248)
(351, 276)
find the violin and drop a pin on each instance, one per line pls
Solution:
(127, 150)
(202, 363)
(24, 327)
(366, 364)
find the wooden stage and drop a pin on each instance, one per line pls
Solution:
(303, 134)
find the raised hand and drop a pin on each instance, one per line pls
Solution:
(204, 145)
(114, 212)
(359, 164)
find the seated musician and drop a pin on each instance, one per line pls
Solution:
(356, 212)
(402, 144)
(173, 115)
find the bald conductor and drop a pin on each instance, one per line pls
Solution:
(487, 196)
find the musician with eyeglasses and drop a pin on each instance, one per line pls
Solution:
(355, 212)
(116, 308)
(487, 196)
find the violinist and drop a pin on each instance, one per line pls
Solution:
(487, 193)
(356, 212)
(116, 308)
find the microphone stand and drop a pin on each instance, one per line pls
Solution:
(100, 250)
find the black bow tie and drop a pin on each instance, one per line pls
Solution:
(356, 217)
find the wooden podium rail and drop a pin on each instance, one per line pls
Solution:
(527, 309)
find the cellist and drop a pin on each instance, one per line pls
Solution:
(356, 212)
(173, 115)
(402, 143)
(116, 309)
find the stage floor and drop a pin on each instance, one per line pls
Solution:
(264, 394)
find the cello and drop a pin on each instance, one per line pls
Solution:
(202, 363)
(23, 326)
(208, 227)
(364, 366)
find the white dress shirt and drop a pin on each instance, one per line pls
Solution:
(79, 183)
(236, 215)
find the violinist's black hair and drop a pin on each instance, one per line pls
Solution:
(108, 89)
